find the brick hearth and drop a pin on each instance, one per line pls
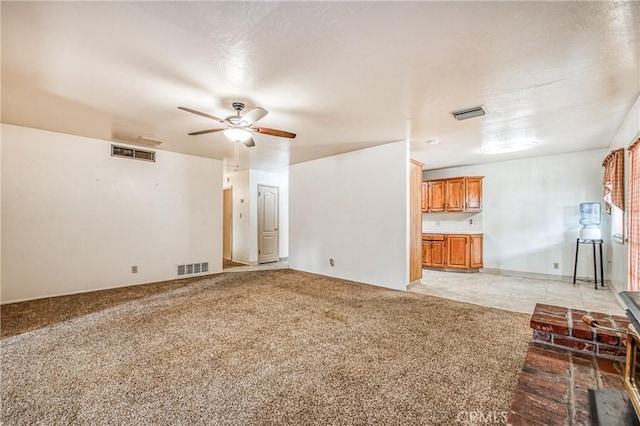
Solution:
(564, 361)
(563, 327)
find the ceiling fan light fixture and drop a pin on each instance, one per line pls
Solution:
(506, 147)
(237, 135)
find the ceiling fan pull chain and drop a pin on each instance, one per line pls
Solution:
(237, 155)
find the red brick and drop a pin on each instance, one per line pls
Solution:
(612, 381)
(528, 410)
(605, 323)
(582, 331)
(550, 309)
(608, 337)
(550, 363)
(612, 350)
(584, 380)
(582, 418)
(515, 419)
(581, 399)
(550, 324)
(541, 336)
(544, 386)
(620, 322)
(575, 344)
(550, 351)
(555, 408)
(582, 359)
(599, 316)
(609, 366)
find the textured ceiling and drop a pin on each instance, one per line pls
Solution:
(342, 75)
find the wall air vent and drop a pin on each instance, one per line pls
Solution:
(466, 113)
(192, 269)
(138, 154)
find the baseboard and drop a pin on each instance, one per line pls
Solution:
(616, 291)
(536, 275)
(190, 277)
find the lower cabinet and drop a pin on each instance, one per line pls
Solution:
(433, 254)
(452, 251)
(475, 251)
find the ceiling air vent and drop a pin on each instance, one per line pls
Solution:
(138, 154)
(465, 113)
(146, 140)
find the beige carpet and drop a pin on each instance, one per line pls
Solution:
(271, 347)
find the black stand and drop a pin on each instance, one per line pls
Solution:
(595, 264)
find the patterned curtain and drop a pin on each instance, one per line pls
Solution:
(633, 219)
(613, 180)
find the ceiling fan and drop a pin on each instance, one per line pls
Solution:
(239, 127)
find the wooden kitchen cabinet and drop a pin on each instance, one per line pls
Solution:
(436, 196)
(460, 194)
(473, 194)
(425, 197)
(437, 254)
(457, 251)
(475, 251)
(433, 254)
(452, 251)
(454, 195)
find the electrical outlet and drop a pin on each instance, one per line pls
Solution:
(556, 265)
(134, 269)
(332, 263)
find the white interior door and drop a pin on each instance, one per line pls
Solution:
(268, 225)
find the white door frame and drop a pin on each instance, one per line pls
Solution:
(227, 227)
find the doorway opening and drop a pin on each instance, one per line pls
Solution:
(227, 229)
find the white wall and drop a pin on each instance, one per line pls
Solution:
(352, 208)
(452, 223)
(530, 216)
(75, 219)
(628, 133)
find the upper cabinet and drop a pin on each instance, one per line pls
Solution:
(454, 194)
(460, 194)
(473, 194)
(425, 196)
(436, 196)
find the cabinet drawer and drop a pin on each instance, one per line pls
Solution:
(432, 237)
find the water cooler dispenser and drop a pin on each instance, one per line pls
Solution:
(590, 221)
(590, 234)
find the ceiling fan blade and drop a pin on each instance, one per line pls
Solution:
(202, 132)
(250, 142)
(254, 115)
(275, 132)
(193, 111)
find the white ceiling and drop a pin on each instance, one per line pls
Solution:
(342, 75)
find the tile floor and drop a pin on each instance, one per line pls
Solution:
(510, 293)
(516, 294)
(283, 264)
